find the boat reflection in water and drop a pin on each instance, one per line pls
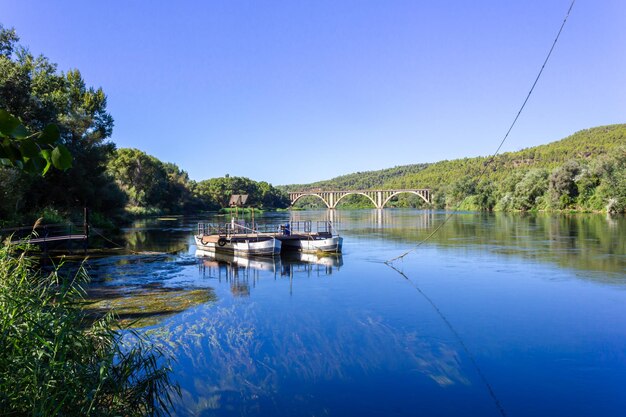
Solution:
(244, 272)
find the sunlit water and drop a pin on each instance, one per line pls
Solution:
(495, 315)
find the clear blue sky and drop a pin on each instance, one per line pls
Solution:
(299, 91)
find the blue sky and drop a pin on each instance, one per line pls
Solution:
(299, 91)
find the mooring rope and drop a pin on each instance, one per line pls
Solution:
(456, 334)
(105, 238)
(492, 157)
(118, 246)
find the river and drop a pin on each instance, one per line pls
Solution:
(495, 315)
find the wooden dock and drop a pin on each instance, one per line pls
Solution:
(50, 236)
(47, 239)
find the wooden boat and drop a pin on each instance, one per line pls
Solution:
(235, 238)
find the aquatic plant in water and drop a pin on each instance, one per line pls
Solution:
(56, 361)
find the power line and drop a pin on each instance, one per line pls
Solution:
(492, 157)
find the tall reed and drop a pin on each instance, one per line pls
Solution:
(55, 361)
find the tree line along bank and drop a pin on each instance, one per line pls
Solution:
(113, 183)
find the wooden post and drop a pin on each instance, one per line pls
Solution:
(45, 244)
(85, 228)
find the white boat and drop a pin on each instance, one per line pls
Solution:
(312, 244)
(236, 239)
(299, 236)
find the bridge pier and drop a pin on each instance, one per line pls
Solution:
(379, 199)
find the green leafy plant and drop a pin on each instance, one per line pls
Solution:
(34, 153)
(57, 361)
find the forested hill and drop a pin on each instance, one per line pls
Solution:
(585, 145)
(585, 171)
(360, 180)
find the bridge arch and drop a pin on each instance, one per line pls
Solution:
(355, 193)
(417, 193)
(378, 197)
(310, 194)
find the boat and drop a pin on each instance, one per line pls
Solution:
(235, 238)
(299, 236)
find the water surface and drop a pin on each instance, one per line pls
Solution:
(518, 315)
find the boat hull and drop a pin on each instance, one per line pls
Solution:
(329, 245)
(238, 246)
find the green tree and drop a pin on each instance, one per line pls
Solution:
(179, 190)
(459, 190)
(23, 153)
(485, 196)
(530, 190)
(612, 189)
(32, 89)
(217, 192)
(141, 176)
(562, 187)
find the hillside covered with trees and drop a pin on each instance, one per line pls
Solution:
(113, 183)
(153, 187)
(360, 180)
(585, 171)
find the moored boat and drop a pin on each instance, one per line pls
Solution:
(299, 236)
(311, 243)
(236, 239)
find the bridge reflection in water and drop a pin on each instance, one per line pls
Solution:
(373, 219)
(243, 273)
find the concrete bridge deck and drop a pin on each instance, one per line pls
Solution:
(378, 197)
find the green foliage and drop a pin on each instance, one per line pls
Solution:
(136, 211)
(562, 189)
(8, 39)
(141, 176)
(13, 185)
(154, 187)
(530, 190)
(612, 189)
(31, 153)
(56, 361)
(584, 171)
(69, 118)
(311, 203)
(360, 180)
(50, 215)
(485, 198)
(355, 201)
(216, 192)
(459, 190)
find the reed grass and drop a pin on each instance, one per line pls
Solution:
(54, 361)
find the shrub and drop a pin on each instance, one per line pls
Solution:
(530, 190)
(562, 186)
(51, 215)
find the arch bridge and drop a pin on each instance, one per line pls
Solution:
(378, 197)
